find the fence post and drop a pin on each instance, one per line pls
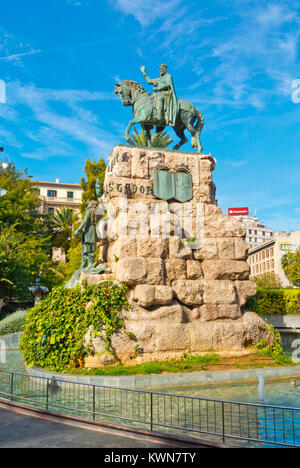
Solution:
(223, 421)
(94, 402)
(47, 395)
(11, 386)
(151, 410)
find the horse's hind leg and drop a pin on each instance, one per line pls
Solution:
(195, 132)
(147, 129)
(183, 139)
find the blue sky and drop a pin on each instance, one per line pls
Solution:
(235, 60)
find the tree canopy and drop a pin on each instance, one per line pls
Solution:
(94, 170)
(25, 234)
(291, 266)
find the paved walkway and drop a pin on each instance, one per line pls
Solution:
(25, 429)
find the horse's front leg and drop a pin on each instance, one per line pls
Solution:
(136, 120)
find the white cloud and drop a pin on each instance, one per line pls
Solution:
(16, 58)
(55, 131)
(146, 12)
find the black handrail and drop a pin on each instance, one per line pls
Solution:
(225, 419)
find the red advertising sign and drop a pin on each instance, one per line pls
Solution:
(238, 211)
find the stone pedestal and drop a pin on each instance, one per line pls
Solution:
(184, 263)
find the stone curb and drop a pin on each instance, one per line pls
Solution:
(160, 381)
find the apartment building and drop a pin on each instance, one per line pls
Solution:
(56, 195)
(257, 232)
(266, 257)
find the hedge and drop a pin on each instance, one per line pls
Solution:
(13, 323)
(275, 301)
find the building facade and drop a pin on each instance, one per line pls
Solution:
(257, 232)
(266, 257)
(56, 195)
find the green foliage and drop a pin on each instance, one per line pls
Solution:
(268, 281)
(19, 207)
(158, 140)
(64, 271)
(21, 258)
(275, 301)
(94, 170)
(55, 329)
(63, 224)
(291, 266)
(25, 235)
(186, 364)
(274, 350)
(13, 323)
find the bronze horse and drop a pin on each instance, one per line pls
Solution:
(133, 94)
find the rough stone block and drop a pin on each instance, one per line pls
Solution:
(223, 226)
(207, 251)
(140, 165)
(245, 289)
(163, 295)
(175, 268)
(194, 269)
(219, 292)
(131, 270)
(152, 247)
(210, 312)
(225, 270)
(144, 295)
(179, 249)
(226, 248)
(171, 337)
(189, 292)
(155, 271)
(241, 249)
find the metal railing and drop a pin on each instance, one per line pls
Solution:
(218, 420)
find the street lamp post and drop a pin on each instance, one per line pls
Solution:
(38, 291)
(3, 166)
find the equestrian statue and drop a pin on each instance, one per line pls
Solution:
(160, 109)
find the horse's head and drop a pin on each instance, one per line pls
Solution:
(124, 92)
(129, 91)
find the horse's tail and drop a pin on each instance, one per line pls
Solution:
(198, 129)
(200, 122)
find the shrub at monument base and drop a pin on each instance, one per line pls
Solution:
(13, 323)
(54, 332)
(275, 301)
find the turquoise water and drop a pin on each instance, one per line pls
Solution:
(13, 362)
(277, 392)
(247, 421)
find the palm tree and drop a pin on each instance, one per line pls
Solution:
(158, 140)
(63, 221)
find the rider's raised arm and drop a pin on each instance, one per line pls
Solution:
(150, 81)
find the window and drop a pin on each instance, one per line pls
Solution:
(267, 253)
(250, 231)
(70, 194)
(271, 252)
(263, 254)
(50, 211)
(36, 190)
(52, 193)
